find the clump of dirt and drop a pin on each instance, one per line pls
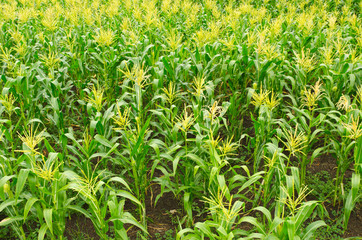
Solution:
(161, 217)
(80, 227)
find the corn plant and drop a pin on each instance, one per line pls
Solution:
(263, 124)
(224, 211)
(310, 123)
(89, 186)
(353, 194)
(174, 97)
(349, 132)
(290, 214)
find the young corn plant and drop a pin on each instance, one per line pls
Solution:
(275, 171)
(225, 210)
(8, 104)
(224, 216)
(265, 103)
(311, 120)
(348, 132)
(49, 199)
(99, 196)
(290, 215)
(136, 147)
(47, 186)
(175, 67)
(136, 138)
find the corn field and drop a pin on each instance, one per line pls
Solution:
(180, 119)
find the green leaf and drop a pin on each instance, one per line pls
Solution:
(253, 221)
(265, 211)
(129, 219)
(351, 199)
(81, 210)
(28, 206)
(9, 202)
(22, 177)
(140, 137)
(4, 179)
(310, 230)
(304, 212)
(9, 220)
(129, 196)
(121, 181)
(204, 228)
(102, 140)
(43, 229)
(48, 215)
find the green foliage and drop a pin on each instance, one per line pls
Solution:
(106, 105)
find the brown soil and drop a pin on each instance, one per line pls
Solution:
(162, 217)
(80, 227)
(328, 163)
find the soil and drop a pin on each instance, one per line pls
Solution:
(328, 163)
(80, 227)
(162, 217)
